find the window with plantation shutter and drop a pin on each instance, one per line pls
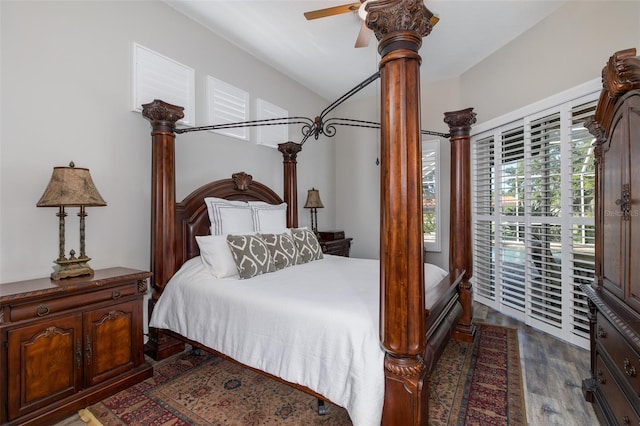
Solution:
(483, 159)
(533, 230)
(227, 104)
(271, 135)
(158, 77)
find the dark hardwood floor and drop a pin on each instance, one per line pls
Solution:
(551, 369)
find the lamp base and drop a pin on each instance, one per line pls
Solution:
(69, 268)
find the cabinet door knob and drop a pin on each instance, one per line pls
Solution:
(601, 332)
(115, 294)
(42, 310)
(79, 354)
(629, 369)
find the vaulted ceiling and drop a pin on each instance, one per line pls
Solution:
(320, 53)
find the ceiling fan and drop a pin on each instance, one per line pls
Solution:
(364, 35)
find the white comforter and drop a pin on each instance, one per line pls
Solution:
(314, 324)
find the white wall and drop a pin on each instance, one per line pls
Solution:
(66, 89)
(568, 48)
(358, 176)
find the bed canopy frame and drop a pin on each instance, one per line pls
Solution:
(405, 318)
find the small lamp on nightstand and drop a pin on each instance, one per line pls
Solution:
(71, 187)
(313, 203)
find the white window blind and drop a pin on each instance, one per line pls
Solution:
(431, 194)
(157, 77)
(271, 135)
(227, 104)
(533, 217)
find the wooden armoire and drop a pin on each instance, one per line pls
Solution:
(614, 296)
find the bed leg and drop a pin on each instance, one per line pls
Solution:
(322, 409)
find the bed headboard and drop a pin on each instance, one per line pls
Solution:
(192, 218)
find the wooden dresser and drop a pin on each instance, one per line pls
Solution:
(614, 297)
(334, 242)
(69, 343)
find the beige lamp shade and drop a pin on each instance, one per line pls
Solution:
(313, 199)
(71, 186)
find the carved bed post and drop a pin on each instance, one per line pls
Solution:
(163, 118)
(461, 253)
(289, 152)
(399, 26)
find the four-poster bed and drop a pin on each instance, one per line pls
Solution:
(414, 323)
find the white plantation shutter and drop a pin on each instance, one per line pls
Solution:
(511, 201)
(271, 135)
(544, 232)
(533, 217)
(157, 77)
(227, 104)
(583, 211)
(483, 160)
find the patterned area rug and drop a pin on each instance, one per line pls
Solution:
(477, 383)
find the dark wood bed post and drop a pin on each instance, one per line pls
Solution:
(289, 152)
(461, 253)
(399, 26)
(163, 118)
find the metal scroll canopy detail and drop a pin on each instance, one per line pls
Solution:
(311, 127)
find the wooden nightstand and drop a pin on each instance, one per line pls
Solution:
(334, 242)
(69, 343)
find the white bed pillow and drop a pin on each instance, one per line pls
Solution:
(282, 249)
(216, 256)
(269, 218)
(433, 274)
(251, 255)
(307, 244)
(229, 217)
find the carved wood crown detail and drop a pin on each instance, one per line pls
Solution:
(158, 111)
(619, 76)
(595, 129)
(390, 16)
(289, 150)
(242, 180)
(622, 72)
(460, 120)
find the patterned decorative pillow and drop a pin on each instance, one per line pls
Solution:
(307, 244)
(282, 248)
(251, 255)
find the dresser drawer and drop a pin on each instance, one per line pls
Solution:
(336, 247)
(623, 356)
(620, 406)
(43, 308)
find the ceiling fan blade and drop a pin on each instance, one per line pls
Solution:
(364, 35)
(330, 11)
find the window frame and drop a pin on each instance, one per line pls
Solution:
(433, 145)
(490, 221)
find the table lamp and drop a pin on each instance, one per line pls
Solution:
(71, 187)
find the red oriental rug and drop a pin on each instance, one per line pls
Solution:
(477, 383)
(483, 385)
